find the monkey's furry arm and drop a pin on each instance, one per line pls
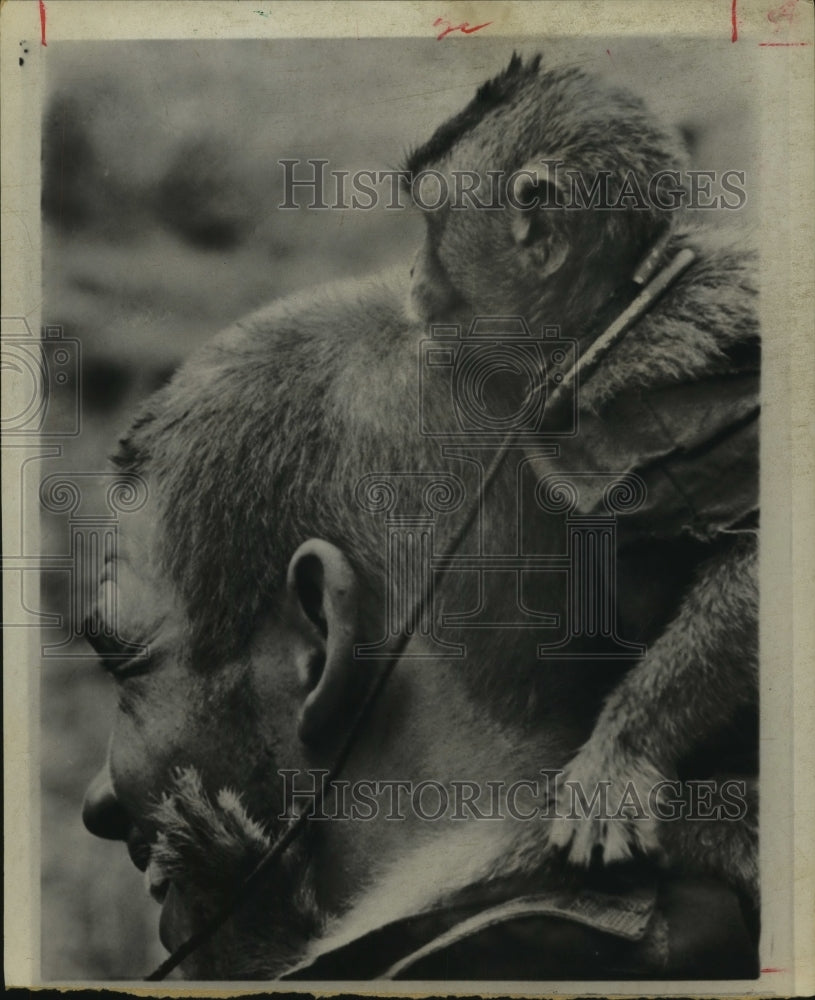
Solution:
(692, 680)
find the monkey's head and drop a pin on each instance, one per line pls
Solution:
(559, 166)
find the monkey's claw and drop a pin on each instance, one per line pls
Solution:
(604, 810)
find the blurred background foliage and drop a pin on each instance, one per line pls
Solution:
(160, 195)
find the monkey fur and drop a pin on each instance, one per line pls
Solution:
(565, 268)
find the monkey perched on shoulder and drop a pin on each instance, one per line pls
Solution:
(691, 368)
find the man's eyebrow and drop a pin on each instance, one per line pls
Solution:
(100, 630)
(108, 645)
(115, 653)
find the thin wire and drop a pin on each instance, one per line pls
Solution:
(582, 368)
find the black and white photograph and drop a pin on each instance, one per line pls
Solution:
(404, 555)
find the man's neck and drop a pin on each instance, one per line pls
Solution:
(427, 729)
(473, 855)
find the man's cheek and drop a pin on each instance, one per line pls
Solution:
(143, 755)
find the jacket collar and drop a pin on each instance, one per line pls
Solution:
(383, 934)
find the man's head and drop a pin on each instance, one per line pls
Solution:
(251, 574)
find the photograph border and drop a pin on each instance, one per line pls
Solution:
(785, 103)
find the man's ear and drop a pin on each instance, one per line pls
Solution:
(323, 593)
(536, 217)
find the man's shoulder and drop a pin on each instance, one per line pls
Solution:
(666, 928)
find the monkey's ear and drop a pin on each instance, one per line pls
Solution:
(323, 592)
(536, 221)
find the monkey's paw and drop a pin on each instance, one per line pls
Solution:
(605, 808)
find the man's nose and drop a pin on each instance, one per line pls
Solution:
(102, 813)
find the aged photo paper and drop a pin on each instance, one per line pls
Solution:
(390, 393)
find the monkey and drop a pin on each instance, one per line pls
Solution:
(554, 262)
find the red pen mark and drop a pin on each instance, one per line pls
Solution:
(42, 24)
(770, 969)
(464, 27)
(777, 16)
(734, 23)
(785, 12)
